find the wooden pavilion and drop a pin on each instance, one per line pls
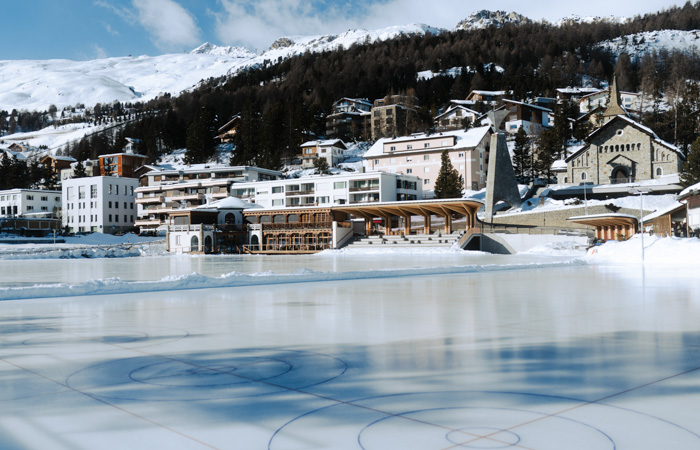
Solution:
(610, 226)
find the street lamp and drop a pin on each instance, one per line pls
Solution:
(641, 192)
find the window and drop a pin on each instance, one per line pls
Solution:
(426, 145)
(322, 200)
(116, 189)
(109, 190)
(339, 185)
(44, 208)
(409, 147)
(44, 198)
(426, 169)
(392, 148)
(30, 197)
(276, 189)
(376, 161)
(409, 170)
(461, 155)
(125, 221)
(409, 159)
(125, 207)
(93, 191)
(132, 205)
(278, 202)
(131, 191)
(584, 176)
(110, 205)
(659, 171)
(30, 208)
(426, 181)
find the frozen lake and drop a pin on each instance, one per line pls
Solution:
(485, 352)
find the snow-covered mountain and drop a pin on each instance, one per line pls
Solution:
(485, 19)
(35, 85)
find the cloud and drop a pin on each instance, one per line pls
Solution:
(109, 29)
(98, 52)
(256, 24)
(170, 25)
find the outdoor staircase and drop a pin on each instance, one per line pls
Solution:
(413, 240)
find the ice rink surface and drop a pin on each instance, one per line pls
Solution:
(540, 357)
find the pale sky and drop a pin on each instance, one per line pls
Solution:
(89, 29)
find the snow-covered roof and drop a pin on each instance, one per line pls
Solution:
(529, 105)
(578, 90)
(455, 107)
(10, 153)
(658, 213)
(323, 143)
(559, 164)
(603, 216)
(229, 203)
(195, 168)
(464, 139)
(690, 190)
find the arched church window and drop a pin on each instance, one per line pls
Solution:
(659, 171)
(584, 176)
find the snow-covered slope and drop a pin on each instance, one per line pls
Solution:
(35, 85)
(635, 45)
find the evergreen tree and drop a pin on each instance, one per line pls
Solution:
(79, 170)
(321, 165)
(691, 167)
(522, 158)
(548, 146)
(449, 183)
(201, 139)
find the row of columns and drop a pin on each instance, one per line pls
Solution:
(471, 221)
(611, 232)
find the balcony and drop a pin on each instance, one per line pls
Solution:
(153, 199)
(364, 188)
(180, 197)
(147, 223)
(292, 193)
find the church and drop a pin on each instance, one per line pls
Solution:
(621, 151)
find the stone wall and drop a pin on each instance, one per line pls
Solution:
(557, 217)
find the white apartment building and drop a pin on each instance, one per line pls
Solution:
(99, 204)
(329, 190)
(26, 202)
(167, 188)
(421, 155)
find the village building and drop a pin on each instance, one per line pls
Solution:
(91, 166)
(609, 226)
(575, 93)
(57, 163)
(12, 153)
(489, 98)
(343, 189)
(349, 119)
(213, 228)
(226, 132)
(621, 151)
(29, 202)
(421, 155)
(690, 196)
(669, 221)
(121, 164)
(331, 150)
(455, 117)
(619, 102)
(166, 188)
(532, 118)
(99, 204)
(393, 115)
